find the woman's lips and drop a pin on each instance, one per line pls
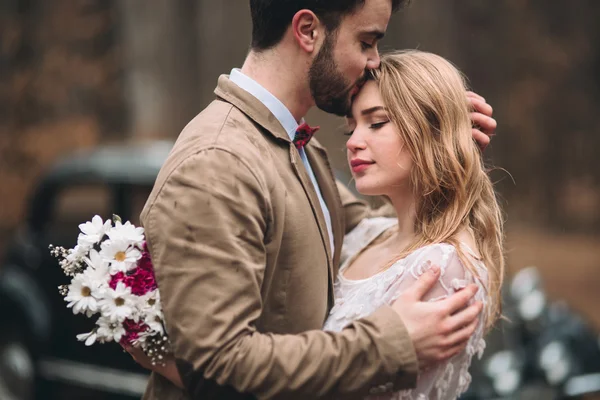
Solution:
(360, 165)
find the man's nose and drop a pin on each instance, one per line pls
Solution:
(374, 60)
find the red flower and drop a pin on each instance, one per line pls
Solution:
(132, 331)
(141, 279)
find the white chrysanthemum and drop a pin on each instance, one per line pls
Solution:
(118, 304)
(126, 233)
(97, 271)
(81, 295)
(109, 331)
(89, 338)
(121, 256)
(93, 231)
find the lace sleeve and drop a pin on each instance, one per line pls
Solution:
(449, 379)
(454, 276)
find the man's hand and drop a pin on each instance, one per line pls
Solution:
(440, 329)
(484, 126)
(168, 370)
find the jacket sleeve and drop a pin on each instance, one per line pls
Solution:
(206, 230)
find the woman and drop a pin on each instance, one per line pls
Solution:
(411, 142)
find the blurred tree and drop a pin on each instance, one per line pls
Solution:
(223, 29)
(74, 72)
(537, 61)
(160, 52)
(60, 88)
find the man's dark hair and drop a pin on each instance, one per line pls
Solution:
(271, 18)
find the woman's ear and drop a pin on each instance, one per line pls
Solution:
(305, 27)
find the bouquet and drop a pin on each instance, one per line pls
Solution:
(112, 278)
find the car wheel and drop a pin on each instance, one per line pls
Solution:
(17, 369)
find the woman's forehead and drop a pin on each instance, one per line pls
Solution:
(367, 98)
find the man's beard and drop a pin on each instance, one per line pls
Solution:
(328, 87)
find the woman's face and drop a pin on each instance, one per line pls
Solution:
(378, 159)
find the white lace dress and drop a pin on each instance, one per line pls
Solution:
(355, 299)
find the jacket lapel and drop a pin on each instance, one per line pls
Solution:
(319, 162)
(311, 193)
(317, 157)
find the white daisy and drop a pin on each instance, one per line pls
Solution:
(121, 256)
(109, 331)
(151, 311)
(154, 320)
(150, 302)
(92, 232)
(118, 304)
(80, 295)
(89, 338)
(98, 272)
(127, 233)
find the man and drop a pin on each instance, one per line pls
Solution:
(245, 228)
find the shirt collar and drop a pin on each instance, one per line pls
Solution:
(277, 108)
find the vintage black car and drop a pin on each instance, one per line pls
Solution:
(40, 357)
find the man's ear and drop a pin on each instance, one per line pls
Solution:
(305, 27)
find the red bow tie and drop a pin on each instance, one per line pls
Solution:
(303, 135)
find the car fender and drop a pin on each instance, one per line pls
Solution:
(18, 289)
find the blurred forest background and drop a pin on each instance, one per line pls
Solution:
(78, 73)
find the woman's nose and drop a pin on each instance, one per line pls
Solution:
(355, 142)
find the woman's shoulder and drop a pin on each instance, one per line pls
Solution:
(364, 233)
(446, 256)
(465, 245)
(434, 252)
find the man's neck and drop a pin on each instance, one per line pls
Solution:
(285, 80)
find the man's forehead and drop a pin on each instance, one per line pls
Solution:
(372, 16)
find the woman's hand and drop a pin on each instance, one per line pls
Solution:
(484, 126)
(168, 370)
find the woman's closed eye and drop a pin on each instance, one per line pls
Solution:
(378, 125)
(374, 126)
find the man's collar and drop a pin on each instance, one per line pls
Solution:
(275, 106)
(251, 106)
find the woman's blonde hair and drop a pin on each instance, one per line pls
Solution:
(425, 97)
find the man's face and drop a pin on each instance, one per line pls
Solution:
(338, 70)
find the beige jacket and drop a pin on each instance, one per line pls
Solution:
(245, 270)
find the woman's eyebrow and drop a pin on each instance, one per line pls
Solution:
(372, 110)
